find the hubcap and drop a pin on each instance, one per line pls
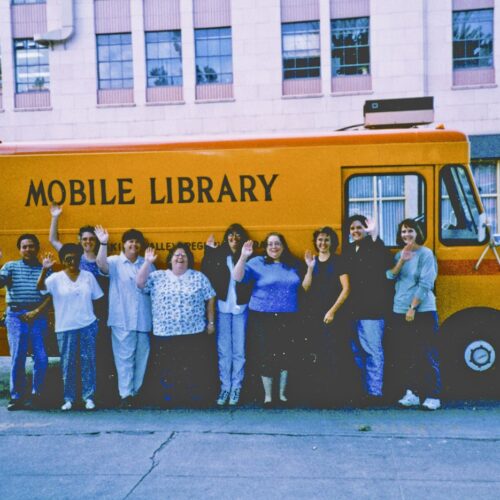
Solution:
(479, 355)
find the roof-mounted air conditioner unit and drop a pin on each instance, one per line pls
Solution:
(407, 112)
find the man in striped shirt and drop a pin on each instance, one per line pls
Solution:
(26, 320)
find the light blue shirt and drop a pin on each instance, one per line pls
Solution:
(416, 279)
(128, 307)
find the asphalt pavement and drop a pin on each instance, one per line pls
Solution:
(249, 452)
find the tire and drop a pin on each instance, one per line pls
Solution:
(470, 354)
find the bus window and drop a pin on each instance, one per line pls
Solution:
(389, 199)
(459, 214)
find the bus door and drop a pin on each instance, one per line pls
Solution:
(387, 195)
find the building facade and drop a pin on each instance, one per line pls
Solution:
(98, 69)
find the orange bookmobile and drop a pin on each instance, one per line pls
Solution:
(188, 190)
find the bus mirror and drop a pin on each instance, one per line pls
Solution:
(481, 229)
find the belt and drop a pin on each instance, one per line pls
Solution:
(22, 307)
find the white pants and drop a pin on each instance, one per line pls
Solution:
(131, 352)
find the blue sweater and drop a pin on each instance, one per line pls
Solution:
(275, 286)
(416, 279)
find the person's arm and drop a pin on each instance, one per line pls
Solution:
(239, 268)
(146, 268)
(344, 293)
(208, 256)
(31, 315)
(425, 283)
(406, 255)
(211, 315)
(47, 262)
(102, 256)
(310, 261)
(55, 212)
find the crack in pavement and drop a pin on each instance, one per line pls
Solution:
(358, 434)
(154, 463)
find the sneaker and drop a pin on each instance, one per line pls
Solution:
(89, 404)
(234, 397)
(127, 403)
(15, 405)
(223, 397)
(67, 406)
(431, 404)
(409, 399)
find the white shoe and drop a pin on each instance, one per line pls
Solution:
(89, 404)
(432, 404)
(409, 399)
(223, 397)
(234, 397)
(67, 406)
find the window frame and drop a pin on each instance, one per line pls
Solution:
(122, 61)
(476, 164)
(177, 79)
(27, 2)
(224, 33)
(45, 87)
(296, 69)
(463, 41)
(470, 242)
(344, 48)
(422, 198)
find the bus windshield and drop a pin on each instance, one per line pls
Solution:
(459, 214)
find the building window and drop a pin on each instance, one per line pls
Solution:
(473, 39)
(213, 50)
(21, 2)
(114, 58)
(487, 177)
(32, 66)
(350, 46)
(389, 199)
(164, 58)
(301, 50)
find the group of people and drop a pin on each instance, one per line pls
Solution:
(269, 315)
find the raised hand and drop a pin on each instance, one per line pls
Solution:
(371, 226)
(247, 248)
(309, 258)
(211, 241)
(150, 255)
(55, 210)
(48, 260)
(102, 235)
(407, 253)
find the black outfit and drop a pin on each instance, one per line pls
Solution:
(214, 267)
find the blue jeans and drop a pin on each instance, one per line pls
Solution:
(21, 335)
(231, 330)
(369, 353)
(80, 342)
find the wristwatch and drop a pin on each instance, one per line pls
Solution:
(412, 307)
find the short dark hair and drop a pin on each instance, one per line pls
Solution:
(70, 248)
(413, 224)
(134, 234)
(334, 239)
(89, 229)
(184, 247)
(28, 236)
(353, 218)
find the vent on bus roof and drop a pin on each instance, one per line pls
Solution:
(389, 113)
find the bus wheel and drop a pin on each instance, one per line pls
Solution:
(470, 354)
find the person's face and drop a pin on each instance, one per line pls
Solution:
(88, 241)
(357, 230)
(408, 235)
(71, 261)
(234, 242)
(28, 249)
(132, 248)
(323, 243)
(180, 260)
(274, 247)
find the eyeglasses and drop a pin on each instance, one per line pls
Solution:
(180, 255)
(70, 258)
(274, 244)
